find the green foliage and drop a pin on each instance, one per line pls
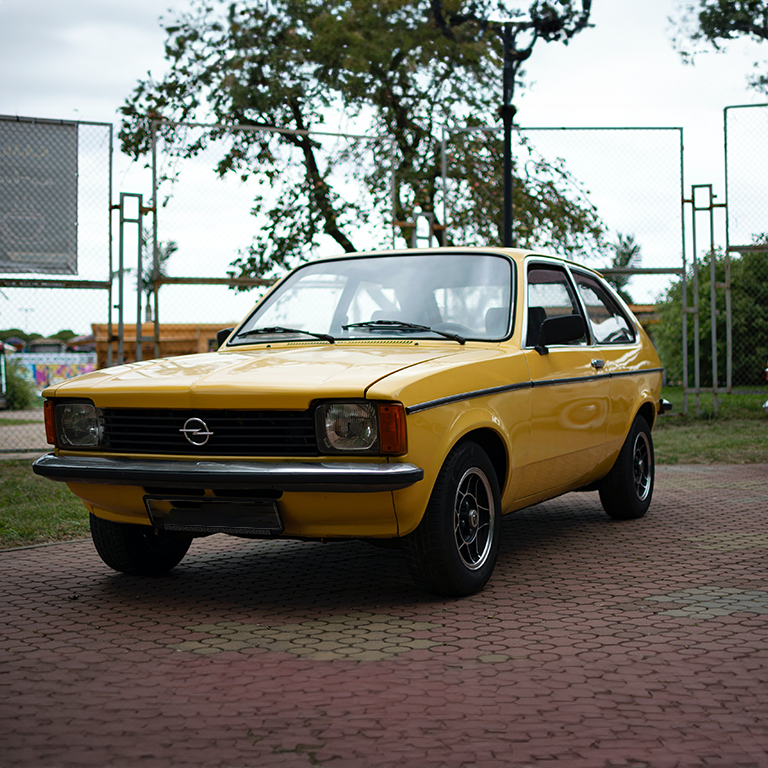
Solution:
(20, 394)
(64, 335)
(721, 20)
(746, 403)
(17, 333)
(165, 249)
(716, 22)
(406, 68)
(626, 253)
(749, 301)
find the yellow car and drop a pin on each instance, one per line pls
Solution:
(414, 396)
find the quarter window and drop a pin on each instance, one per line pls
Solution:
(609, 324)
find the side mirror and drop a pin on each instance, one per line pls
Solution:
(223, 335)
(559, 330)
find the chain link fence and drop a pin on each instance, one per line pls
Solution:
(55, 274)
(744, 266)
(631, 177)
(214, 207)
(217, 207)
(209, 219)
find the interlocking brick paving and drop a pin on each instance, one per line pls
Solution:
(597, 644)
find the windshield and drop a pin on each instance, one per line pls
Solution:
(449, 296)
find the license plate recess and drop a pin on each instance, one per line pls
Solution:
(244, 517)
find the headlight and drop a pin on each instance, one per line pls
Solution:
(78, 425)
(361, 427)
(343, 427)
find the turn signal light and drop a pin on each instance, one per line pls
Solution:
(392, 436)
(50, 430)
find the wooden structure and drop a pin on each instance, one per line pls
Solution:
(175, 339)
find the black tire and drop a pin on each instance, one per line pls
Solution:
(139, 550)
(454, 549)
(626, 491)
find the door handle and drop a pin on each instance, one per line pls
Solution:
(597, 364)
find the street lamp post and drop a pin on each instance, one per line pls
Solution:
(547, 23)
(507, 112)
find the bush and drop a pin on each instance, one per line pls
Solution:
(20, 394)
(749, 300)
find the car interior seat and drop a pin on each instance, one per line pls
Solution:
(536, 316)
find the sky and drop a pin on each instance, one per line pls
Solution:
(80, 59)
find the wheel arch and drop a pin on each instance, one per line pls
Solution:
(648, 412)
(494, 447)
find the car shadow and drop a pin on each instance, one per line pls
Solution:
(225, 573)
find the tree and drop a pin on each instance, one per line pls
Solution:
(65, 334)
(626, 253)
(406, 68)
(716, 22)
(17, 333)
(20, 392)
(165, 249)
(749, 300)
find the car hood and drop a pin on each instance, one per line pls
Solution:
(285, 376)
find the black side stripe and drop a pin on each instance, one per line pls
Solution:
(523, 385)
(466, 396)
(635, 373)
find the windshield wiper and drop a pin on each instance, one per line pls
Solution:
(281, 329)
(401, 325)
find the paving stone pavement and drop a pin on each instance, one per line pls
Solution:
(597, 644)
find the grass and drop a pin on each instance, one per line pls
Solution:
(17, 422)
(737, 435)
(745, 403)
(736, 441)
(34, 510)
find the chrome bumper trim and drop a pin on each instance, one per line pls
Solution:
(256, 475)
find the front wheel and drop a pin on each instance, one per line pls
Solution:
(626, 490)
(453, 550)
(137, 549)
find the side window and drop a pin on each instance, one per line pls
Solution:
(549, 295)
(609, 324)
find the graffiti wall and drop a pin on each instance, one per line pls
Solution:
(44, 369)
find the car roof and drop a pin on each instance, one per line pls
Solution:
(516, 254)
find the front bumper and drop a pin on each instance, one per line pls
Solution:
(252, 475)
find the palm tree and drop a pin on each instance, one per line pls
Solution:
(165, 250)
(626, 253)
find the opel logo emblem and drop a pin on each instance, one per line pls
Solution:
(196, 431)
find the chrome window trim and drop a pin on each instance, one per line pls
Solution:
(629, 315)
(534, 259)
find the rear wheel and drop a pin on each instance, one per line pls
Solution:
(454, 549)
(626, 491)
(137, 549)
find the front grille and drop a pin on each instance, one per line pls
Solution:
(234, 433)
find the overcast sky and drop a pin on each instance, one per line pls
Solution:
(79, 60)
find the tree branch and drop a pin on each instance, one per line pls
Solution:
(318, 189)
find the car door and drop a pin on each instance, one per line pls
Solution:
(570, 397)
(616, 343)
